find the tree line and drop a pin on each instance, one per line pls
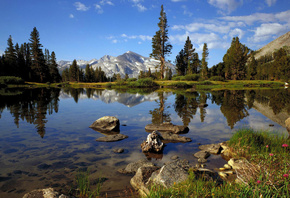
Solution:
(28, 61)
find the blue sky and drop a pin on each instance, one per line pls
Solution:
(87, 29)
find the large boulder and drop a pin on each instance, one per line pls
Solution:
(44, 193)
(112, 138)
(287, 123)
(170, 174)
(133, 167)
(166, 127)
(153, 143)
(106, 123)
(139, 181)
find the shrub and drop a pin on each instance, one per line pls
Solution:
(176, 78)
(216, 78)
(11, 80)
(131, 79)
(192, 77)
(143, 82)
(206, 82)
(180, 85)
(121, 82)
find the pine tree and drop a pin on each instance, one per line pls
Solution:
(235, 60)
(10, 58)
(189, 56)
(88, 74)
(65, 75)
(160, 44)
(252, 68)
(39, 69)
(196, 63)
(180, 63)
(21, 66)
(204, 67)
(74, 71)
(54, 73)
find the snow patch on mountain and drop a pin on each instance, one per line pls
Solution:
(129, 63)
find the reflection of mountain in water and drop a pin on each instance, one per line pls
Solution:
(111, 96)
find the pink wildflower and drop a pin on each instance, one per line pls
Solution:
(285, 145)
(271, 154)
(286, 175)
(258, 181)
(267, 146)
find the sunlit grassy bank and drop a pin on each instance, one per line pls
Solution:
(146, 83)
(267, 174)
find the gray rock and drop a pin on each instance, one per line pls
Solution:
(170, 173)
(287, 123)
(202, 160)
(44, 193)
(172, 137)
(133, 167)
(106, 123)
(211, 148)
(112, 138)
(166, 127)
(120, 150)
(153, 143)
(202, 154)
(175, 157)
(139, 181)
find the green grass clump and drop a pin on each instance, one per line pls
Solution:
(11, 80)
(143, 82)
(83, 186)
(183, 85)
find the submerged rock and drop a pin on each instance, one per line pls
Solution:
(44, 193)
(166, 127)
(106, 123)
(153, 143)
(172, 137)
(112, 138)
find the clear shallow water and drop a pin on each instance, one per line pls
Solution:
(45, 139)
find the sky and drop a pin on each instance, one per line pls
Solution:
(88, 29)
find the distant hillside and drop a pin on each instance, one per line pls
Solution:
(278, 43)
(128, 63)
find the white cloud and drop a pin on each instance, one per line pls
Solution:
(226, 5)
(266, 31)
(237, 32)
(99, 9)
(270, 2)
(140, 7)
(210, 27)
(71, 16)
(142, 37)
(81, 7)
(260, 17)
(108, 2)
(186, 12)
(115, 41)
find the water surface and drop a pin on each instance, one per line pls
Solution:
(45, 139)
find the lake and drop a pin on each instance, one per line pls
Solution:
(45, 139)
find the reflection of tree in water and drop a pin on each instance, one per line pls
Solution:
(159, 115)
(278, 99)
(77, 92)
(202, 100)
(32, 105)
(186, 106)
(233, 105)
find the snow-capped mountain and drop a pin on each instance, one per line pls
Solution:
(129, 62)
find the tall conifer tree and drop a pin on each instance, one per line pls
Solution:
(160, 42)
(40, 70)
(204, 67)
(189, 56)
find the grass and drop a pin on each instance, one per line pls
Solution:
(84, 188)
(265, 175)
